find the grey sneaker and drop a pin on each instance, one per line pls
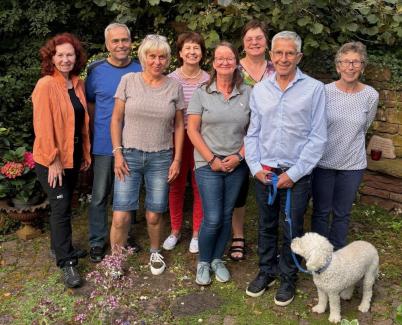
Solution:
(170, 242)
(203, 276)
(221, 272)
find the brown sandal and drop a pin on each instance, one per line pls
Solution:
(237, 249)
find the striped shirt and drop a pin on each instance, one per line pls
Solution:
(188, 88)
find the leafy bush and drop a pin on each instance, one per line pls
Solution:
(323, 25)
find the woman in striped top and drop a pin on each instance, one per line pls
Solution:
(190, 53)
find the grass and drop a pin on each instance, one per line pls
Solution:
(153, 298)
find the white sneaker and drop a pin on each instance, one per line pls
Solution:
(193, 245)
(170, 242)
(156, 263)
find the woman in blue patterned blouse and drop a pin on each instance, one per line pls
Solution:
(351, 108)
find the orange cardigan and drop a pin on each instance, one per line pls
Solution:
(54, 121)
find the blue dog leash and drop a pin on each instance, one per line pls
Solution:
(272, 192)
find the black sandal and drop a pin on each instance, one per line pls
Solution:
(237, 249)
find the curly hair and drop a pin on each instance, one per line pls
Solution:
(49, 50)
(237, 76)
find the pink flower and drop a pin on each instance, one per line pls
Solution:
(12, 169)
(28, 160)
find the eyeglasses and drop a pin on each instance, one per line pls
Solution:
(156, 37)
(222, 60)
(280, 54)
(346, 64)
(254, 39)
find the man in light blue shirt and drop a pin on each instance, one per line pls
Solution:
(287, 134)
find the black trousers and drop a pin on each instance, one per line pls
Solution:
(60, 207)
(271, 218)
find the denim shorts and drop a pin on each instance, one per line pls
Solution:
(153, 167)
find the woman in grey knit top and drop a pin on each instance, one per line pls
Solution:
(351, 108)
(148, 108)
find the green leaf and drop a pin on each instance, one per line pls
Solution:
(316, 28)
(209, 19)
(364, 10)
(212, 39)
(100, 3)
(352, 27)
(192, 25)
(276, 11)
(153, 2)
(303, 21)
(372, 19)
(372, 31)
(287, 2)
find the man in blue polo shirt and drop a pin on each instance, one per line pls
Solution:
(286, 136)
(101, 84)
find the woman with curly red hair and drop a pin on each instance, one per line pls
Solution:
(61, 146)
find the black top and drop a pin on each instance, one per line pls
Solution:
(79, 113)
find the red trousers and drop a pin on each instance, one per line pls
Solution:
(178, 188)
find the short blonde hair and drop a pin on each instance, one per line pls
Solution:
(154, 42)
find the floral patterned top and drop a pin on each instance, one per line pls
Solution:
(248, 80)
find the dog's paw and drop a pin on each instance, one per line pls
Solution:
(364, 307)
(334, 318)
(319, 309)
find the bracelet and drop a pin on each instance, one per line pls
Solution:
(117, 148)
(212, 160)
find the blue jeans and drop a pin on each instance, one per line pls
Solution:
(334, 191)
(218, 192)
(154, 168)
(269, 218)
(101, 188)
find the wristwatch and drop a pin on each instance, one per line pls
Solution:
(241, 158)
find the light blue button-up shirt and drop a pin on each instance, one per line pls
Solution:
(287, 128)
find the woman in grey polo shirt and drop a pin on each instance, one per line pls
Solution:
(217, 123)
(148, 107)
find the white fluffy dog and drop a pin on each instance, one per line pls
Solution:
(336, 273)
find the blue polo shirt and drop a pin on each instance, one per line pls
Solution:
(100, 85)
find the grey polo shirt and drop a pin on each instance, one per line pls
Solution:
(224, 122)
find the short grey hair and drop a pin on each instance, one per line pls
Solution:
(356, 47)
(288, 35)
(116, 25)
(153, 42)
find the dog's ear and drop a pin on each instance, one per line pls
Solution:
(316, 260)
(295, 245)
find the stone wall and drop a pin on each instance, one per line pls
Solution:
(388, 122)
(382, 182)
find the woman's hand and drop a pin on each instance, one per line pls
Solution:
(120, 166)
(174, 170)
(84, 166)
(230, 163)
(55, 173)
(217, 165)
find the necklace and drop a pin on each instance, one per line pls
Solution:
(190, 77)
